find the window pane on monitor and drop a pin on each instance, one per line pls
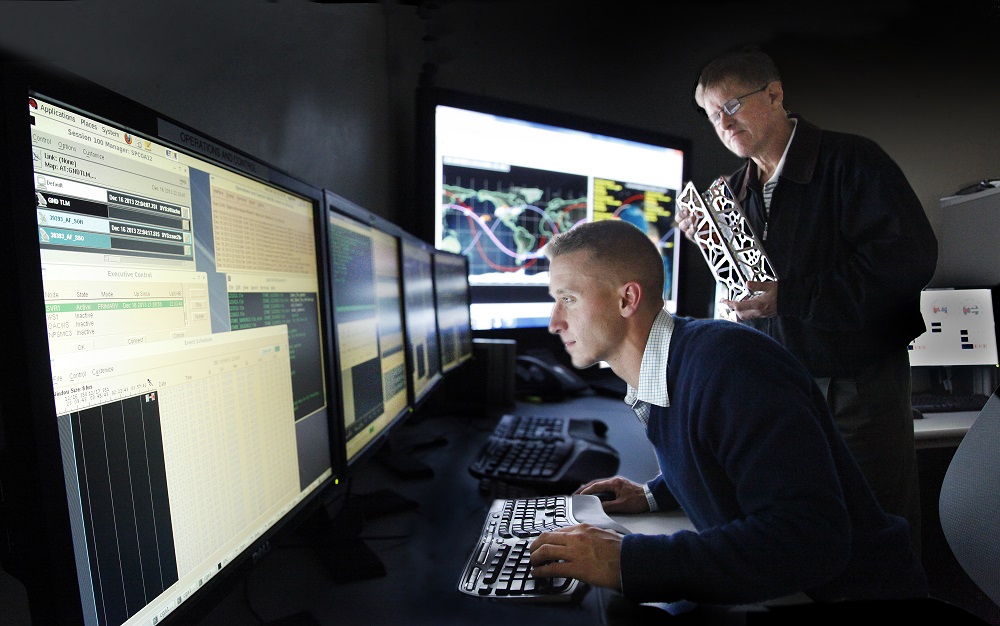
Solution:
(368, 319)
(421, 325)
(451, 289)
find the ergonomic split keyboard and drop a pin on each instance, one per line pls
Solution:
(549, 454)
(499, 567)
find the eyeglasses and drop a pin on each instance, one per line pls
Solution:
(732, 105)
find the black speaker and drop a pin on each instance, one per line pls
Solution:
(487, 380)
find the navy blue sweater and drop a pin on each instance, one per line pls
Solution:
(760, 469)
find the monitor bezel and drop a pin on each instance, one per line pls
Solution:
(39, 550)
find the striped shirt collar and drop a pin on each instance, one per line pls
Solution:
(781, 162)
(653, 370)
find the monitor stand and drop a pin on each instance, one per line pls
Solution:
(337, 537)
(399, 457)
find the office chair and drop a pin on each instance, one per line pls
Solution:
(969, 505)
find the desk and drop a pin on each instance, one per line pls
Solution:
(424, 550)
(942, 430)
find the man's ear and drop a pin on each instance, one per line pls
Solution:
(776, 93)
(631, 296)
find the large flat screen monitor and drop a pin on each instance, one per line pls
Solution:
(961, 328)
(166, 403)
(365, 275)
(452, 299)
(422, 344)
(504, 178)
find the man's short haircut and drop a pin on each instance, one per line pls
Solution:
(619, 248)
(748, 66)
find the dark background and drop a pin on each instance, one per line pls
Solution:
(326, 90)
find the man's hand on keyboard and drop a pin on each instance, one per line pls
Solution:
(584, 552)
(629, 496)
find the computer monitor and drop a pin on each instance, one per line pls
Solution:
(961, 328)
(502, 178)
(422, 345)
(452, 299)
(166, 403)
(365, 276)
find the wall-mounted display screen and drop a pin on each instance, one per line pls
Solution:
(506, 178)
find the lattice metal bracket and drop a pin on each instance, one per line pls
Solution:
(725, 239)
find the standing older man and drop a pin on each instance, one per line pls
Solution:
(852, 249)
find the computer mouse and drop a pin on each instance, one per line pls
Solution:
(604, 496)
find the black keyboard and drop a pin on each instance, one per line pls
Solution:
(548, 454)
(499, 567)
(928, 403)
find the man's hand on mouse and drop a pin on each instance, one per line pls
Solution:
(628, 496)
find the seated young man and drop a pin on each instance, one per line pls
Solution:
(745, 442)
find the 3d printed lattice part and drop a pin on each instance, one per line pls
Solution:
(725, 239)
